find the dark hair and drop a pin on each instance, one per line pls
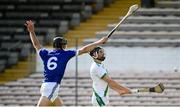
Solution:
(96, 49)
(58, 42)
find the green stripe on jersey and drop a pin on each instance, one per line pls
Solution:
(99, 99)
(103, 75)
(105, 93)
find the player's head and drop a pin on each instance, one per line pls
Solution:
(59, 43)
(98, 53)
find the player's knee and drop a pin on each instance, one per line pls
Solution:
(61, 101)
(43, 101)
(58, 102)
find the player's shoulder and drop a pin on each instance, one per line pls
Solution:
(70, 51)
(43, 51)
(95, 66)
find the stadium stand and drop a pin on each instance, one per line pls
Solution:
(149, 27)
(99, 21)
(168, 4)
(25, 92)
(157, 26)
(52, 17)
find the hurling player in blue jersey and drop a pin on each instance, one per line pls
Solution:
(55, 61)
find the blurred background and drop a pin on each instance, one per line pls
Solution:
(144, 51)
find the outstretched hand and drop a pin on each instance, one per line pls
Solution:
(30, 26)
(122, 92)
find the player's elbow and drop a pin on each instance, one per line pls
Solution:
(37, 46)
(111, 83)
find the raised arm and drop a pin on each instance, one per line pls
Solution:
(115, 86)
(30, 27)
(91, 46)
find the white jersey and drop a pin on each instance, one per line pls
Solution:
(100, 87)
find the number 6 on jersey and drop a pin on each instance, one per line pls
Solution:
(52, 63)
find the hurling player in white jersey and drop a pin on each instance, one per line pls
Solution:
(55, 61)
(101, 80)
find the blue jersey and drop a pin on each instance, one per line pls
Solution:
(55, 62)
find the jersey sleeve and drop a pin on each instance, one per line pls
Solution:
(43, 52)
(72, 53)
(101, 72)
